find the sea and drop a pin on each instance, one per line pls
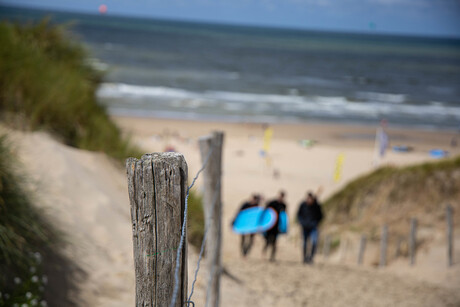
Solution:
(201, 71)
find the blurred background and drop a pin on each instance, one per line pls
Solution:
(358, 98)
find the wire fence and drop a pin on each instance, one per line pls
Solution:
(182, 238)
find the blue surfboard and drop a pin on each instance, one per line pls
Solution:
(254, 220)
(283, 224)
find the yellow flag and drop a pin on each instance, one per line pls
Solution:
(338, 167)
(267, 139)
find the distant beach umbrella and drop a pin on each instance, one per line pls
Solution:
(102, 8)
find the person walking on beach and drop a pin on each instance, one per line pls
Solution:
(248, 240)
(272, 234)
(309, 217)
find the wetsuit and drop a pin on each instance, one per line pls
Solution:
(309, 217)
(272, 234)
(246, 240)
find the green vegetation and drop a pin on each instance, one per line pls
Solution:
(24, 238)
(45, 83)
(195, 219)
(423, 188)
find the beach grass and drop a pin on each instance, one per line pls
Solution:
(47, 84)
(25, 237)
(424, 187)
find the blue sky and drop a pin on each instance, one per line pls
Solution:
(420, 17)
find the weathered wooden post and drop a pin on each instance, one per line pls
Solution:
(212, 197)
(450, 236)
(157, 185)
(383, 246)
(362, 248)
(327, 246)
(412, 240)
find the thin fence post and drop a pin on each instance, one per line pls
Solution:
(398, 247)
(450, 236)
(327, 246)
(362, 248)
(383, 246)
(212, 193)
(412, 240)
(157, 185)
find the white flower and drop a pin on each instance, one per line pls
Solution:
(17, 280)
(34, 302)
(43, 304)
(45, 279)
(34, 278)
(38, 257)
(28, 295)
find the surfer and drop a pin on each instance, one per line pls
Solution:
(309, 217)
(248, 240)
(272, 234)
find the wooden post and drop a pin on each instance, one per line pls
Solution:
(327, 246)
(362, 248)
(157, 185)
(212, 193)
(383, 246)
(398, 247)
(412, 240)
(450, 236)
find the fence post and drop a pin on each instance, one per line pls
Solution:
(450, 236)
(157, 185)
(212, 193)
(383, 246)
(412, 240)
(326, 246)
(362, 248)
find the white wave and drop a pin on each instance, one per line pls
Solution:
(377, 105)
(382, 97)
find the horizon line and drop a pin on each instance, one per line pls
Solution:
(236, 24)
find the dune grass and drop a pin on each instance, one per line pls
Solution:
(24, 237)
(46, 84)
(426, 185)
(195, 219)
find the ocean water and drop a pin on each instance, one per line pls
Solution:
(246, 74)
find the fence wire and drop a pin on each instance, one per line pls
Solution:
(208, 222)
(184, 227)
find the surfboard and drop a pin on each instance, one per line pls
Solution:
(254, 220)
(283, 224)
(438, 153)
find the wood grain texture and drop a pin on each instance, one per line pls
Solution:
(212, 176)
(157, 186)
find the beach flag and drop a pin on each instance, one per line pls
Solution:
(267, 139)
(381, 142)
(338, 167)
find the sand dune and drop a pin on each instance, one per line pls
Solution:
(85, 194)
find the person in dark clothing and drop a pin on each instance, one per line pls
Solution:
(309, 217)
(272, 234)
(248, 240)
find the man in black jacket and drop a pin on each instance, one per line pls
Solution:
(271, 235)
(309, 217)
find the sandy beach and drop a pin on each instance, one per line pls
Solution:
(86, 194)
